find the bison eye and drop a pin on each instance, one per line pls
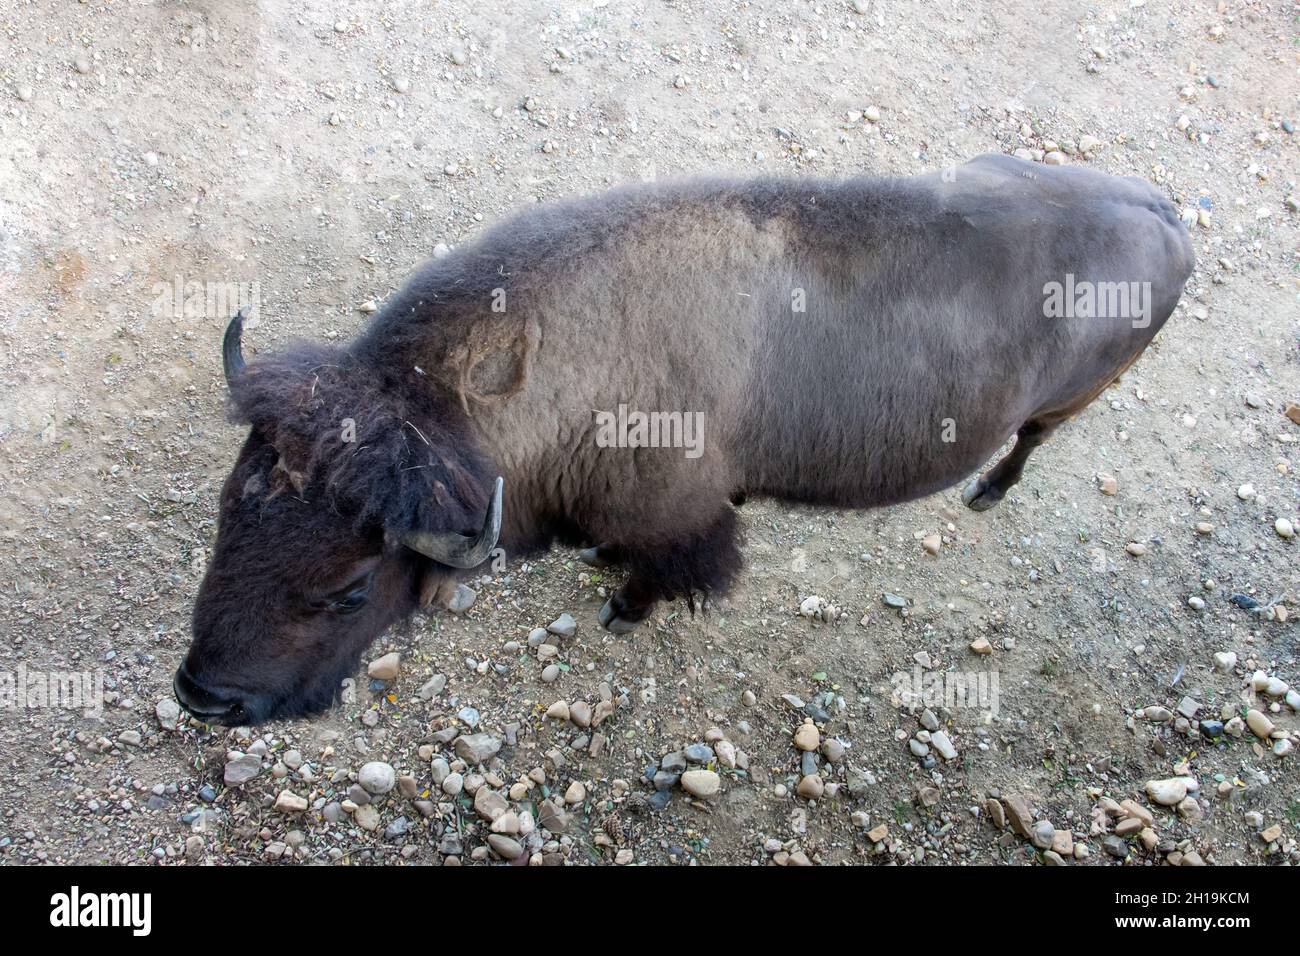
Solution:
(354, 600)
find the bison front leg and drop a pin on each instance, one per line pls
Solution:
(987, 490)
(601, 556)
(699, 565)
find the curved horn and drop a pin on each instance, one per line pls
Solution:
(462, 550)
(232, 350)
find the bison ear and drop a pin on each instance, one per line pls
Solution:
(494, 362)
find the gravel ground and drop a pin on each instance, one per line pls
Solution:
(1122, 621)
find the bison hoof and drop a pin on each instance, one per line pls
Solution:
(618, 620)
(592, 558)
(980, 495)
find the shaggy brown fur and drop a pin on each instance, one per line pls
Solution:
(920, 348)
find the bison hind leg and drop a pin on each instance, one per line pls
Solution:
(698, 566)
(985, 491)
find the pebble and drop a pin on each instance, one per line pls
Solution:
(1225, 661)
(489, 804)
(476, 748)
(558, 710)
(377, 777)
(386, 667)
(727, 753)
(432, 687)
(1259, 724)
(1246, 492)
(674, 762)
(289, 802)
(1284, 528)
(1115, 846)
(701, 783)
(505, 847)
(366, 817)
(241, 768)
(1018, 814)
(1167, 793)
(1107, 484)
(168, 713)
(563, 626)
(807, 736)
(1042, 834)
(939, 740)
(811, 787)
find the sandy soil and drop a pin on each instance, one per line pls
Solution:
(315, 153)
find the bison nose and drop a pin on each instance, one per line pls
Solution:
(206, 704)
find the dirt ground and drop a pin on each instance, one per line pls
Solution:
(315, 153)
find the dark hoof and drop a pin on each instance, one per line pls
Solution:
(592, 558)
(980, 495)
(617, 619)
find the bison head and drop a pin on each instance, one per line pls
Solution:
(352, 494)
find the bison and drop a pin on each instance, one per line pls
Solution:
(850, 343)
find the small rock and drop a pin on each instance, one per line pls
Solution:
(701, 783)
(1042, 834)
(563, 626)
(807, 737)
(1167, 793)
(386, 667)
(168, 713)
(432, 687)
(505, 847)
(289, 802)
(1018, 815)
(377, 777)
(366, 817)
(476, 748)
(241, 768)
(811, 787)
(1259, 724)
(558, 710)
(939, 740)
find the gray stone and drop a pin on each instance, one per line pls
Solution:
(476, 748)
(377, 777)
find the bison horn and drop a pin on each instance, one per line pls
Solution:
(232, 351)
(462, 550)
